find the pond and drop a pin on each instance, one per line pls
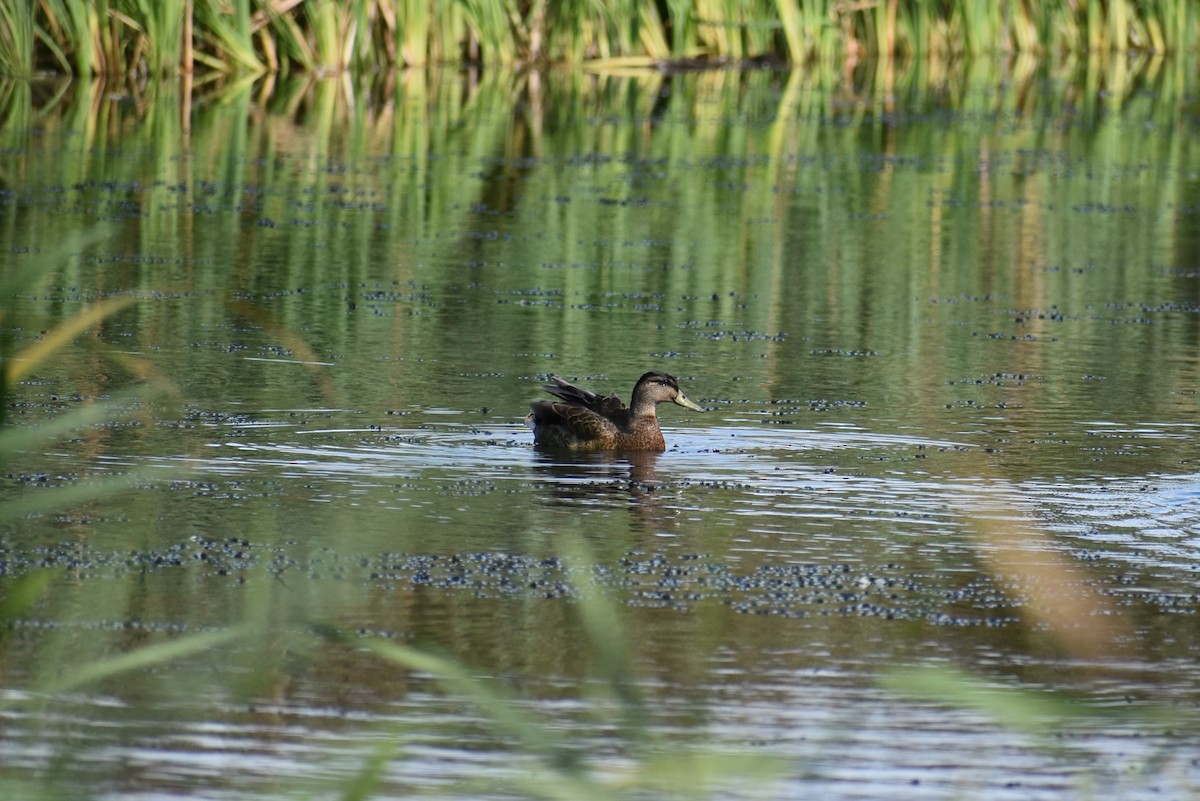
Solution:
(936, 532)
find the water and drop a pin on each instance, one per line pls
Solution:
(945, 333)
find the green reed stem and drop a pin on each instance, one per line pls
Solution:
(16, 39)
(146, 36)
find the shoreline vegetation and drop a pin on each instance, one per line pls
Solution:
(161, 38)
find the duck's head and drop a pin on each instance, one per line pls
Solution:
(654, 388)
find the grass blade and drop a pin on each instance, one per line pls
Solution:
(489, 697)
(16, 39)
(142, 658)
(20, 596)
(19, 366)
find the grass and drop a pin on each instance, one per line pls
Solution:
(164, 37)
(16, 39)
(659, 767)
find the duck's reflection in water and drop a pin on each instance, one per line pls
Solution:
(606, 478)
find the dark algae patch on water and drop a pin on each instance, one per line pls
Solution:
(667, 580)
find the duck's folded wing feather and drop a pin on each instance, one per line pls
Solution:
(604, 405)
(583, 423)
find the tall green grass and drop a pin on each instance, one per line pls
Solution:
(16, 39)
(162, 37)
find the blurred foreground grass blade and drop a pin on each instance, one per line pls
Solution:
(15, 440)
(20, 596)
(16, 277)
(1056, 595)
(14, 368)
(659, 768)
(49, 500)
(1056, 599)
(363, 783)
(145, 657)
(491, 698)
(608, 639)
(682, 772)
(20, 278)
(18, 367)
(45, 500)
(1032, 711)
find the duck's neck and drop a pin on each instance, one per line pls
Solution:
(642, 407)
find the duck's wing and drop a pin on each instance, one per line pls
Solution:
(569, 423)
(609, 406)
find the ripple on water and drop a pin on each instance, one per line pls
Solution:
(847, 741)
(1149, 521)
(837, 528)
(836, 482)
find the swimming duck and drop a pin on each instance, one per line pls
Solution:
(584, 421)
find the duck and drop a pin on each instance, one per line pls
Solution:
(581, 420)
